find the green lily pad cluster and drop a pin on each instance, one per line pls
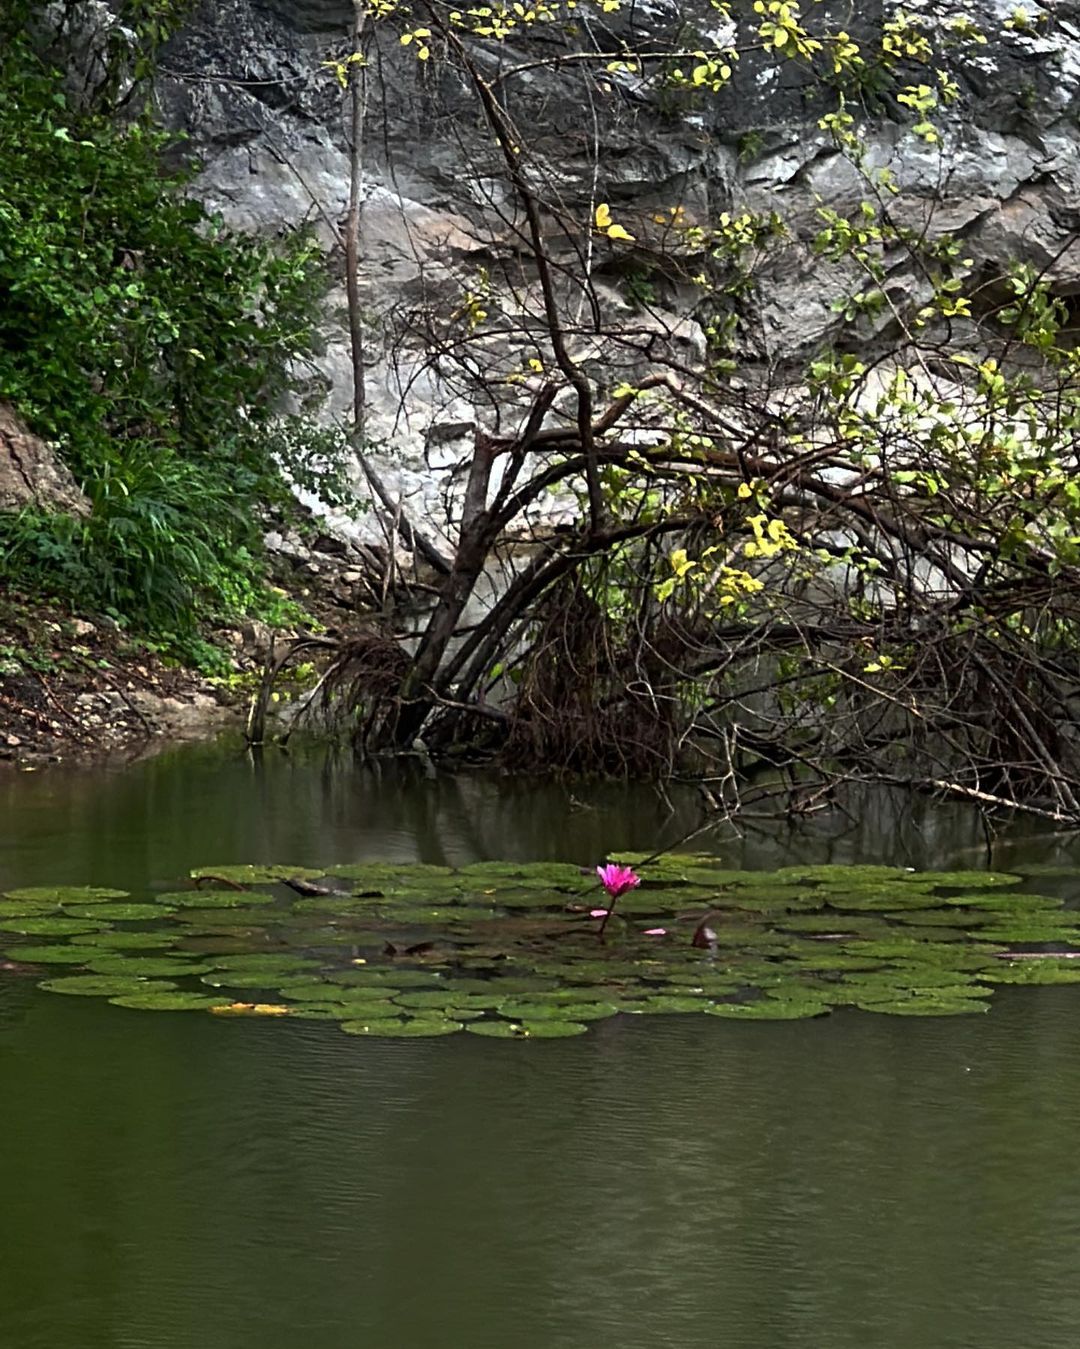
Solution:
(511, 950)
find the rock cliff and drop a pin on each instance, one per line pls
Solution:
(245, 81)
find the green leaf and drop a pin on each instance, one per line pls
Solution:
(65, 894)
(50, 955)
(410, 1028)
(99, 986)
(160, 1000)
(533, 1030)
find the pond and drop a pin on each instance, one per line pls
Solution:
(177, 1181)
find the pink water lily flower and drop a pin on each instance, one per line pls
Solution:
(617, 879)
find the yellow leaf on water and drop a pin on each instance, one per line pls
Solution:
(252, 1009)
(617, 232)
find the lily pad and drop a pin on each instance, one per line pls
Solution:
(242, 979)
(26, 908)
(928, 976)
(452, 946)
(839, 873)
(398, 977)
(501, 1030)
(482, 1002)
(1008, 902)
(832, 922)
(49, 955)
(550, 1030)
(532, 1030)
(1028, 932)
(971, 880)
(212, 899)
(530, 1012)
(160, 1000)
(937, 933)
(941, 917)
(254, 874)
(897, 899)
(422, 998)
(149, 967)
(825, 960)
(766, 1009)
(505, 984)
(65, 894)
(212, 920)
(330, 906)
(49, 927)
(278, 963)
(382, 1010)
(122, 939)
(968, 959)
(99, 986)
(540, 875)
(925, 1007)
(702, 982)
(412, 1027)
(913, 950)
(1034, 972)
(675, 1003)
(926, 992)
(312, 990)
(117, 913)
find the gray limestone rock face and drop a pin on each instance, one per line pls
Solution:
(31, 474)
(248, 84)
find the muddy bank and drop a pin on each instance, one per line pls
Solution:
(73, 688)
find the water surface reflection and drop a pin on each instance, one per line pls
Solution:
(178, 1182)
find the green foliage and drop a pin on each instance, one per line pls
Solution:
(149, 344)
(640, 288)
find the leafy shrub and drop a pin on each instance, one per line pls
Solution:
(148, 343)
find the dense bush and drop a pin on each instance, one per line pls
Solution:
(151, 345)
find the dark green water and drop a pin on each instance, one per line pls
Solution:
(182, 1182)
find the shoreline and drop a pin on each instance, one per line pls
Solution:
(74, 690)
